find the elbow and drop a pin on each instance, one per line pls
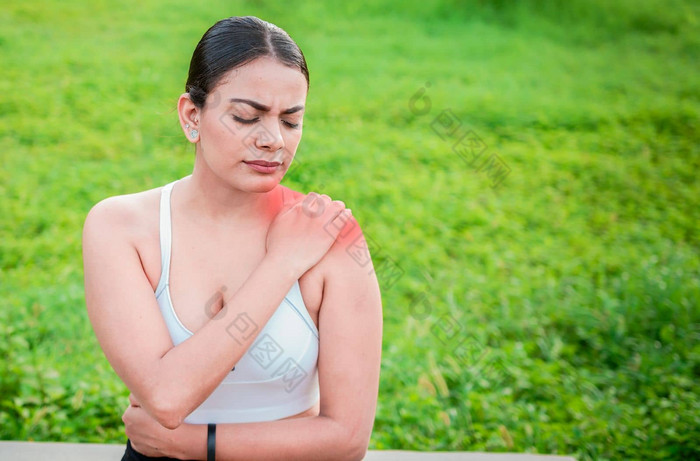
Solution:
(357, 450)
(169, 420)
(358, 455)
(168, 415)
(349, 444)
(356, 445)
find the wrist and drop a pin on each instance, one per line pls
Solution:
(192, 443)
(280, 268)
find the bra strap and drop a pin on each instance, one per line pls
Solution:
(165, 232)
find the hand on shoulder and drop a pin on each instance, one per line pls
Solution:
(349, 250)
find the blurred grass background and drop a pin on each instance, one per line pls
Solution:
(556, 312)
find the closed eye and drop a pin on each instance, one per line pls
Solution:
(290, 124)
(245, 120)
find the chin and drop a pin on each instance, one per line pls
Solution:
(263, 185)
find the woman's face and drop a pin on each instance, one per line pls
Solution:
(253, 116)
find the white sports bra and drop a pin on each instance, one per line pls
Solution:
(277, 377)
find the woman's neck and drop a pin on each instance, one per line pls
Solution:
(210, 199)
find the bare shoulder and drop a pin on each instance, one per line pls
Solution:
(350, 251)
(122, 216)
(349, 254)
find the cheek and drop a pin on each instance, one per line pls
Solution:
(294, 138)
(223, 133)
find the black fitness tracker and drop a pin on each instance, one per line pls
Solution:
(211, 442)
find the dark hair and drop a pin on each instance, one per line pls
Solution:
(233, 42)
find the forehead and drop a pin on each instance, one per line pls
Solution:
(265, 80)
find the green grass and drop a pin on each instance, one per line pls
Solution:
(571, 288)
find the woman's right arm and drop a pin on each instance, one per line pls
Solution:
(170, 382)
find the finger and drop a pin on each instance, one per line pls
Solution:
(342, 218)
(313, 206)
(314, 197)
(307, 200)
(338, 204)
(323, 203)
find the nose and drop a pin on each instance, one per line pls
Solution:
(269, 138)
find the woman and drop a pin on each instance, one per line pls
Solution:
(233, 308)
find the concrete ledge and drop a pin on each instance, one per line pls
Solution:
(39, 451)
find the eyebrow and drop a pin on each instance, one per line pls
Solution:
(264, 108)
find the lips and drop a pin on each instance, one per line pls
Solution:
(262, 163)
(262, 166)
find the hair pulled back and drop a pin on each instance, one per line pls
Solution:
(233, 42)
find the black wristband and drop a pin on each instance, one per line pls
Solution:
(211, 442)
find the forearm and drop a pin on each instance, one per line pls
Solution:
(189, 372)
(309, 438)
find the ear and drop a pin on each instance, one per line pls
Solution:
(189, 117)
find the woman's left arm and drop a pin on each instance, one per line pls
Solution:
(350, 332)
